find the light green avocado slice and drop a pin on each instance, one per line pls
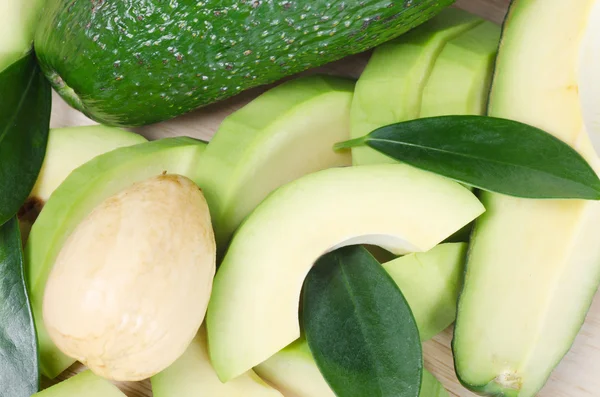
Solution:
(84, 384)
(253, 312)
(294, 372)
(67, 149)
(18, 21)
(431, 387)
(430, 282)
(533, 265)
(192, 375)
(285, 133)
(79, 193)
(460, 79)
(391, 86)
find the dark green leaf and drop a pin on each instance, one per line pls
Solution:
(24, 123)
(360, 328)
(19, 376)
(493, 154)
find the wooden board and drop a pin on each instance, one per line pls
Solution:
(579, 373)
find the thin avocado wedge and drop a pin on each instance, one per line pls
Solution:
(391, 86)
(293, 371)
(532, 268)
(431, 387)
(284, 134)
(253, 311)
(67, 149)
(83, 189)
(192, 375)
(84, 384)
(430, 282)
(216, 48)
(18, 20)
(460, 80)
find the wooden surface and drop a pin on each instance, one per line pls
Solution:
(579, 373)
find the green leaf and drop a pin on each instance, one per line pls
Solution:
(24, 124)
(360, 328)
(492, 154)
(19, 374)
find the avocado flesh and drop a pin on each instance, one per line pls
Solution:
(460, 80)
(18, 20)
(67, 149)
(284, 134)
(84, 384)
(430, 282)
(192, 375)
(214, 50)
(533, 266)
(294, 372)
(253, 311)
(390, 88)
(76, 197)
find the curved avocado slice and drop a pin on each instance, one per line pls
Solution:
(294, 372)
(186, 54)
(286, 133)
(532, 268)
(67, 149)
(192, 375)
(253, 311)
(84, 384)
(391, 86)
(83, 189)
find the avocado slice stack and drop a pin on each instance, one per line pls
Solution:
(448, 63)
(442, 67)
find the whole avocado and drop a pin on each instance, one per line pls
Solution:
(137, 62)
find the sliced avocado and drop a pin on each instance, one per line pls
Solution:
(294, 372)
(185, 54)
(192, 375)
(283, 134)
(390, 88)
(431, 387)
(79, 193)
(67, 149)
(430, 282)
(532, 268)
(18, 21)
(459, 82)
(253, 312)
(84, 384)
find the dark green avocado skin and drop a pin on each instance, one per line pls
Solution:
(137, 62)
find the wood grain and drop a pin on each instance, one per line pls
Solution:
(576, 376)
